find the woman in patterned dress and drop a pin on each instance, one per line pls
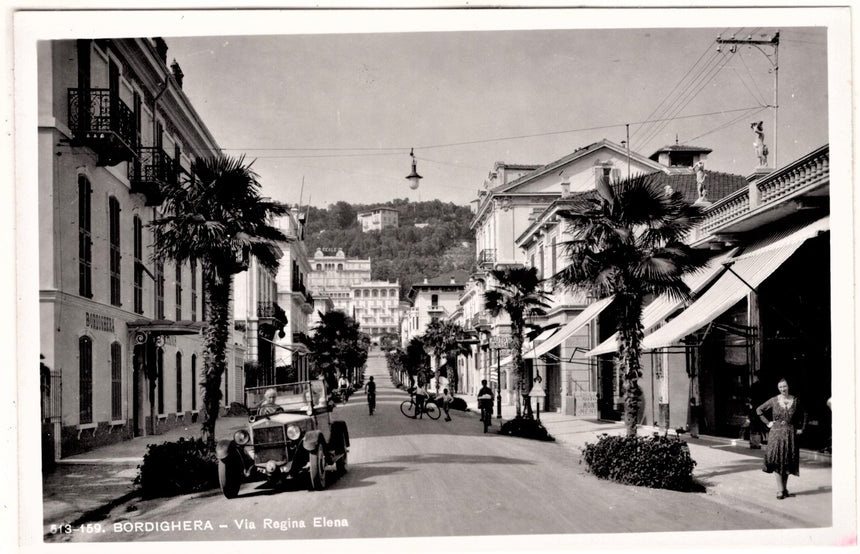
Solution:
(788, 419)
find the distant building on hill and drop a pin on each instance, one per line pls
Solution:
(332, 274)
(375, 306)
(378, 219)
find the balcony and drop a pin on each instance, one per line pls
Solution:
(481, 321)
(266, 310)
(103, 122)
(803, 184)
(486, 257)
(150, 172)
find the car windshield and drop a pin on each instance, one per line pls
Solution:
(293, 397)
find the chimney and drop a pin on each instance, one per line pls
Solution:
(425, 280)
(453, 281)
(565, 188)
(160, 49)
(177, 72)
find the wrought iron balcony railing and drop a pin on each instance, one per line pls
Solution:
(150, 171)
(266, 309)
(487, 256)
(99, 119)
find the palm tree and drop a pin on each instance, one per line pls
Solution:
(518, 294)
(218, 217)
(445, 338)
(416, 361)
(628, 243)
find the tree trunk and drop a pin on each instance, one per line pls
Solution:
(452, 373)
(215, 340)
(628, 359)
(517, 351)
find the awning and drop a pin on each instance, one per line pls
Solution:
(533, 344)
(166, 326)
(661, 307)
(747, 270)
(571, 327)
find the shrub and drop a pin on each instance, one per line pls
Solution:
(654, 461)
(180, 467)
(527, 428)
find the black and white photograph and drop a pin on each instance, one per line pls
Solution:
(433, 279)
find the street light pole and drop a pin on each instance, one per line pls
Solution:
(499, 383)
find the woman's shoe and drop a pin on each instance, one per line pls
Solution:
(781, 495)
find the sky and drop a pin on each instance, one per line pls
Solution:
(329, 117)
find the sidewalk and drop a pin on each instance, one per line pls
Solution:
(729, 469)
(101, 478)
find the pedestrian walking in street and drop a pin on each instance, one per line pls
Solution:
(446, 403)
(787, 420)
(370, 390)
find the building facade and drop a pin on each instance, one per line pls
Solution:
(119, 333)
(433, 299)
(375, 307)
(332, 274)
(378, 219)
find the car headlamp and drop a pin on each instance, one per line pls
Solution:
(241, 437)
(293, 432)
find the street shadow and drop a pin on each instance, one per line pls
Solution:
(455, 459)
(819, 490)
(747, 465)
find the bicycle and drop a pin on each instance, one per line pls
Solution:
(485, 403)
(408, 408)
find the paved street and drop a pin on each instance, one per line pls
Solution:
(422, 477)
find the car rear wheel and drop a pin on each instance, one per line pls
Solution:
(229, 476)
(317, 469)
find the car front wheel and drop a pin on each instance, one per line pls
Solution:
(317, 469)
(230, 476)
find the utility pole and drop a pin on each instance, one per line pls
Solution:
(773, 58)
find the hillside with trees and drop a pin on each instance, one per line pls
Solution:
(406, 253)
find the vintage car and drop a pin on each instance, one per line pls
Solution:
(290, 435)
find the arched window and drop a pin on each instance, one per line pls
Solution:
(178, 382)
(159, 361)
(375, 293)
(340, 267)
(115, 381)
(383, 293)
(358, 294)
(85, 241)
(85, 379)
(113, 234)
(137, 231)
(319, 267)
(366, 293)
(194, 381)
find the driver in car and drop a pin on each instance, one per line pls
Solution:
(269, 406)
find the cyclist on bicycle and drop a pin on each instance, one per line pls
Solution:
(370, 390)
(421, 396)
(485, 401)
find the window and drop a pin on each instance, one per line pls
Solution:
(540, 261)
(178, 281)
(137, 231)
(85, 379)
(115, 381)
(375, 293)
(85, 241)
(434, 300)
(319, 267)
(194, 381)
(366, 293)
(115, 269)
(358, 294)
(193, 264)
(159, 363)
(340, 267)
(383, 293)
(159, 290)
(552, 256)
(179, 382)
(203, 313)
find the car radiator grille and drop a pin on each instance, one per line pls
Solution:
(270, 444)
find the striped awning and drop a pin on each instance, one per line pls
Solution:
(747, 270)
(531, 344)
(571, 327)
(661, 307)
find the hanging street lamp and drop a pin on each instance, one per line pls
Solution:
(413, 177)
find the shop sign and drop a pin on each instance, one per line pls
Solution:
(499, 342)
(99, 322)
(585, 403)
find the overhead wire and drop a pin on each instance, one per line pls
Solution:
(667, 96)
(682, 101)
